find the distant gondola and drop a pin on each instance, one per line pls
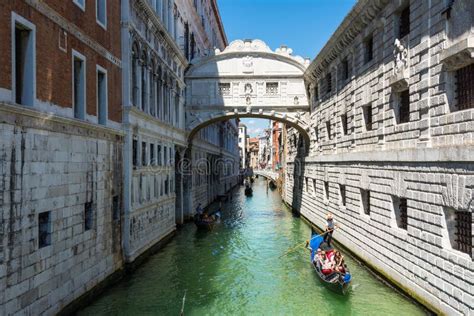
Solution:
(252, 180)
(335, 281)
(208, 222)
(248, 191)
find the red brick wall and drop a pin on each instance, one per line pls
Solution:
(54, 66)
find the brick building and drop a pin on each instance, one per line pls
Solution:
(392, 145)
(60, 151)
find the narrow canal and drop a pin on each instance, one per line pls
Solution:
(236, 270)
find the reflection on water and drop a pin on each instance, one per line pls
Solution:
(236, 270)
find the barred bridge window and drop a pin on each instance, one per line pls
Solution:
(465, 87)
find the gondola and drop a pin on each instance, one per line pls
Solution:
(248, 191)
(207, 223)
(335, 281)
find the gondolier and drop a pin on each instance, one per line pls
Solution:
(331, 225)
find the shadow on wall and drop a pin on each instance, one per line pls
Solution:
(298, 175)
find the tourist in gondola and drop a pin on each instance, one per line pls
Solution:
(331, 225)
(338, 262)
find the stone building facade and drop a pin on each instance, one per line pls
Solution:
(60, 151)
(160, 38)
(391, 154)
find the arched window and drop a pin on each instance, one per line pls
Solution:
(144, 74)
(135, 75)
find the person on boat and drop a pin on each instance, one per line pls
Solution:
(327, 266)
(338, 262)
(331, 225)
(199, 209)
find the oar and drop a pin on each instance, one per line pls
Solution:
(182, 306)
(299, 245)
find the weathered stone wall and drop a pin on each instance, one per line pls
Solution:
(426, 160)
(56, 165)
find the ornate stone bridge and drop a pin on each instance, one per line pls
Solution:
(247, 79)
(267, 174)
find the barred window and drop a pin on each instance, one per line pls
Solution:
(272, 87)
(367, 111)
(404, 22)
(404, 107)
(365, 198)
(144, 160)
(465, 87)
(344, 124)
(224, 88)
(328, 83)
(44, 229)
(326, 189)
(342, 190)
(328, 129)
(369, 49)
(345, 69)
(88, 216)
(400, 207)
(152, 154)
(135, 152)
(464, 232)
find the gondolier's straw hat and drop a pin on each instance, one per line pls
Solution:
(329, 215)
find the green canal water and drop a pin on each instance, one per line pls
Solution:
(236, 270)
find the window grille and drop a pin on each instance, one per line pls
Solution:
(224, 88)
(326, 189)
(464, 232)
(403, 211)
(272, 88)
(135, 152)
(465, 87)
(369, 49)
(368, 117)
(144, 162)
(328, 83)
(345, 69)
(88, 216)
(44, 229)
(404, 22)
(342, 189)
(404, 108)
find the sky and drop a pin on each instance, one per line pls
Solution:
(302, 25)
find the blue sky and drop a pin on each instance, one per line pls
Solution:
(303, 25)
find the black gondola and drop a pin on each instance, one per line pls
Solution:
(335, 281)
(207, 222)
(248, 191)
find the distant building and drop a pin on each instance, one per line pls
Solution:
(253, 149)
(243, 145)
(277, 143)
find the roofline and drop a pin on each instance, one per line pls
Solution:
(219, 22)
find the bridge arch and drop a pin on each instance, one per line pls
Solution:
(247, 79)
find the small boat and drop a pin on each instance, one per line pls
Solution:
(208, 222)
(335, 281)
(248, 191)
(252, 180)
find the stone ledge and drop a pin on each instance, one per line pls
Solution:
(32, 118)
(441, 154)
(459, 54)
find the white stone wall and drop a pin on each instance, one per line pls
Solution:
(48, 163)
(427, 160)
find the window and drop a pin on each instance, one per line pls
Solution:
(135, 153)
(459, 228)
(345, 69)
(167, 185)
(465, 87)
(368, 49)
(102, 95)
(328, 83)
(367, 112)
(365, 199)
(316, 134)
(165, 158)
(316, 92)
(342, 192)
(101, 12)
(88, 216)
(271, 88)
(404, 107)
(80, 3)
(115, 208)
(152, 155)
(24, 65)
(326, 190)
(44, 229)
(401, 211)
(144, 160)
(404, 22)
(224, 88)
(314, 187)
(79, 86)
(344, 124)
(159, 155)
(328, 129)
(306, 184)
(135, 75)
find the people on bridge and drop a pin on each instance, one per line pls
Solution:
(331, 225)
